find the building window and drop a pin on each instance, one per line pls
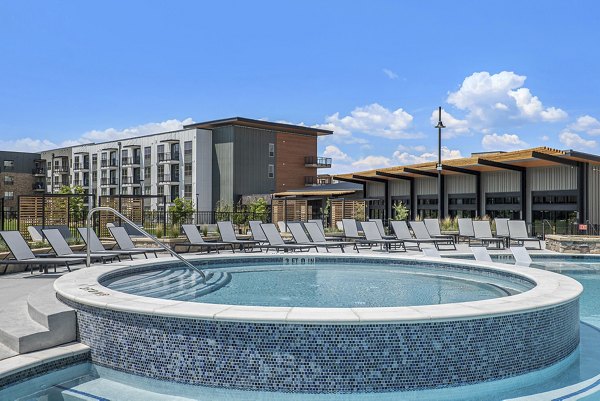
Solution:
(187, 148)
(271, 171)
(187, 169)
(187, 191)
(147, 190)
(161, 190)
(9, 180)
(147, 155)
(9, 195)
(271, 150)
(147, 173)
(9, 164)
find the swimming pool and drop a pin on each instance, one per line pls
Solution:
(452, 322)
(332, 285)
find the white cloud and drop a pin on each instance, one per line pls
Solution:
(572, 140)
(587, 124)
(37, 145)
(404, 157)
(373, 120)
(502, 142)
(491, 98)
(545, 138)
(390, 74)
(336, 154)
(371, 162)
(454, 126)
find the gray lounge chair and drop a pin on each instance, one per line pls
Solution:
(422, 234)
(402, 232)
(63, 250)
(195, 240)
(481, 253)
(351, 229)
(317, 236)
(319, 224)
(465, 229)
(23, 255)
(521, 256)
(381, 229)
(434, 230)
(277, 243)
(518, 233)
(373, 236)
(502, 230)
(124, 241)
(483, 234)
(257, 232)
(228, 236)
(96, 245)
(300, 237)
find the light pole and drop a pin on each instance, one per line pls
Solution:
(440, 183)
(119, 164)
(52, 175)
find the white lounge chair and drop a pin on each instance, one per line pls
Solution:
(521, 256)
(481, 253)
(300, 237)
(351, 229)
(195, 240)
(373, 236)
(402, 232)
(422, 234)
(319, 224)
(124, 241)
(228, 236)
(502, 230)
(277, 243)
(97, 247)
(518, 233)
(317, 236)
(465, 229)
(381, 229)
(483, 233)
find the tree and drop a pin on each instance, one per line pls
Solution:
(181, 210)
(75, 202)
(400, 211)
(258, 208)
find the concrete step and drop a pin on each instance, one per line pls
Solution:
(40, 322)
(6, 352)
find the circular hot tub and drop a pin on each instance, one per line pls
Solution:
(324, 323)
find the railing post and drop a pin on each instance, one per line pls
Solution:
(43, 210)
(164, 216)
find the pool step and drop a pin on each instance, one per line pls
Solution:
(103, 389)
(38, 323)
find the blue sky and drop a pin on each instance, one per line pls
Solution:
(508, 74)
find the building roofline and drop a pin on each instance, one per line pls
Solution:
(252, 123)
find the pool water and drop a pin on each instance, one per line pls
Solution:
(334, 286)
(90, 382)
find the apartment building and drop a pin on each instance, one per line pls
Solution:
(208, 162)
(20, 174)
(544, 186)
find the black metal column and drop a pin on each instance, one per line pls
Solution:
(479, 209)
(413, 201)
(387, 211)
(582, 193)
(524, 204)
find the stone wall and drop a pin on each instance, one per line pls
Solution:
(573, 243)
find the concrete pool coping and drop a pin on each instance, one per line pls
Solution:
(550, 290)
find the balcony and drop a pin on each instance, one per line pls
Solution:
(38, 186)
(81, 183)
(108, 163)
(61, 170)
(38, 171)
(168, 157)
(131, 161)
(310, 180)
(81, 166)
(108, 181)
(130, 180)
(168, 178)
(318, 162)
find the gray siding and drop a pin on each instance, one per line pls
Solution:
(375, 190)
(426, 186)
(251, 157)
(459, 184)
(594, 194)
(551, 178)
(222, 165)
(23, 162)
(501, 181)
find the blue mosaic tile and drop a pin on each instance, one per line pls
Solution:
(323, 358)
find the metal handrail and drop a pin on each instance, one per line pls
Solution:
(141, 230)
(545, 221)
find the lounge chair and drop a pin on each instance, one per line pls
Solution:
(431, 252)
(521, 256)
(195, 240)
(297, 230)
(422, 234)
(481, 254)
(96, 245)
(381, 229)
(277, 243)
(124, 241)
(402, 232)
(434, 230)
(465, 229)
(502, 230)
(228, 236)
(23, 255)
(317, 237)
(483, 233)
(518, 232)
(373, 236)
(319, 224)
(351, 229)
(257, 232)
(63, 250)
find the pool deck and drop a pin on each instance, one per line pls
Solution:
(17, 288)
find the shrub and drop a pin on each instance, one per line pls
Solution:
(400, 211)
